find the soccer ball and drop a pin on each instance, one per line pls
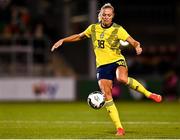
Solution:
(96, 100)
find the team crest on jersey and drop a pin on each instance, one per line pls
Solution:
(102, 34)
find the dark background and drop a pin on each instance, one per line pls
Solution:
(41, 23)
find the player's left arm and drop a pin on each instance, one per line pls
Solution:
(135, 44)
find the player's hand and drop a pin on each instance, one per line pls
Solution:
(57, 44)
(138, 50)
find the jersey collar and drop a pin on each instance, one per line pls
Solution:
(107, 26)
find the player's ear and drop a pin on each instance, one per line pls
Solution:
(113, 15)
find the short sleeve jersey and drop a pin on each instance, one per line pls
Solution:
(106, 42)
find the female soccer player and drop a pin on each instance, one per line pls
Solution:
(110, 62)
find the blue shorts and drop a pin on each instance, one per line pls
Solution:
(108, 71)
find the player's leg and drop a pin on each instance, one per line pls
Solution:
(106, 88)
(122, 76)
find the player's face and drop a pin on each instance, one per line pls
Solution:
(107, 16)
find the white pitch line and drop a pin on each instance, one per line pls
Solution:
(85, 122)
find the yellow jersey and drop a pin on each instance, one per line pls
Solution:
(106, 42)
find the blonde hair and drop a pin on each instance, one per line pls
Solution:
(107, 5)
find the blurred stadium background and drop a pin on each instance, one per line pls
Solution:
(29, 28)
(30, 72)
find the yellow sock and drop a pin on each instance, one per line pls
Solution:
(134, 84)
(113, 113)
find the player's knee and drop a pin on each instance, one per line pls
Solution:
(122, 79)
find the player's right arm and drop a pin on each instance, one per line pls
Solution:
(126, 37)
(135, 44)
(72, 38)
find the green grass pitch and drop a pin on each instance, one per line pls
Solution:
(76, 120)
